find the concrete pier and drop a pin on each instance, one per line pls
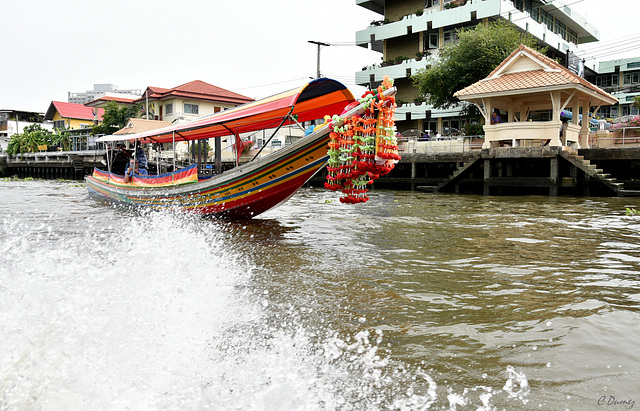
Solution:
(70, 165)
(550, 171)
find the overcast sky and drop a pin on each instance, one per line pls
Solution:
(252, 47)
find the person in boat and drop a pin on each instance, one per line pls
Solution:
(137, 165)
(118, 158)
(141, 158)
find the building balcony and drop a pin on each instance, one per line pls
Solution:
(474, 10)
(373, 5)
(376, 72)
(423, 111)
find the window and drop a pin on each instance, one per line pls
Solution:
(547, 20)
(561, 29)
(59, 124)
(572, 36)
(190, 108)
(168, 108)
(607, 80)
(631, 78)
(608, 112)
(431, 40)
(450, 36)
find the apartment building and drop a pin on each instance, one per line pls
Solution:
(411, 29)
(621, 78)
(102, 90)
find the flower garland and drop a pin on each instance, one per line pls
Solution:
(364, 147)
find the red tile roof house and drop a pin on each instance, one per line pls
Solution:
(72, 116)
(529, 81)
(188, 101)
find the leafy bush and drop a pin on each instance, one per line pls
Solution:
(632, 122)
(473, 129)
(34, 136)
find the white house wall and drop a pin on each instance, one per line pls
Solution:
(18, 127)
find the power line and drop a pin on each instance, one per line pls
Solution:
(623, 41)
(271, 84)
(612, 52)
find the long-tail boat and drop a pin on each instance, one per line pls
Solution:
(248, 189)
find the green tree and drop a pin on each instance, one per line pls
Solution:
(115, 117)
(478, 51)
(61, 140)
(32, 136)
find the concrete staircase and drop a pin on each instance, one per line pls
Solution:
(593, 171)
(457, 175)
(605, 178)
(616, 187)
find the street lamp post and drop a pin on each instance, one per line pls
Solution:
(318, 43)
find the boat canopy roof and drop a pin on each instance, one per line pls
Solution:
(312, 101)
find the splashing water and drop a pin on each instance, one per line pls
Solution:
(109, 309)
(155, 311)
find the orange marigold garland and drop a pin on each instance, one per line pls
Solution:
(364, 147)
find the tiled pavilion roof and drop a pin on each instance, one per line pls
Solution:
(543, 73)
(139, 125)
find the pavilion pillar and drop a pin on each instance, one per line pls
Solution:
(512, 118)
(488, 108)
(584, 131)
(575, 118)
(555, 101)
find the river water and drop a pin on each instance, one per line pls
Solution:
(411, 301)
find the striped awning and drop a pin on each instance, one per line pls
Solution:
(313, 101)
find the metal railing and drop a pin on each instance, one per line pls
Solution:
(617, 138)
(446, 144)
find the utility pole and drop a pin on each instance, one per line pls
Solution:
(318, 43)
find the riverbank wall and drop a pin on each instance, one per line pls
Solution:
(498, 171)
(68, 165)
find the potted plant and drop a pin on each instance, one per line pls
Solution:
(421, 54)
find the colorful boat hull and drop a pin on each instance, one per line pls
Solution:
(243, 192)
